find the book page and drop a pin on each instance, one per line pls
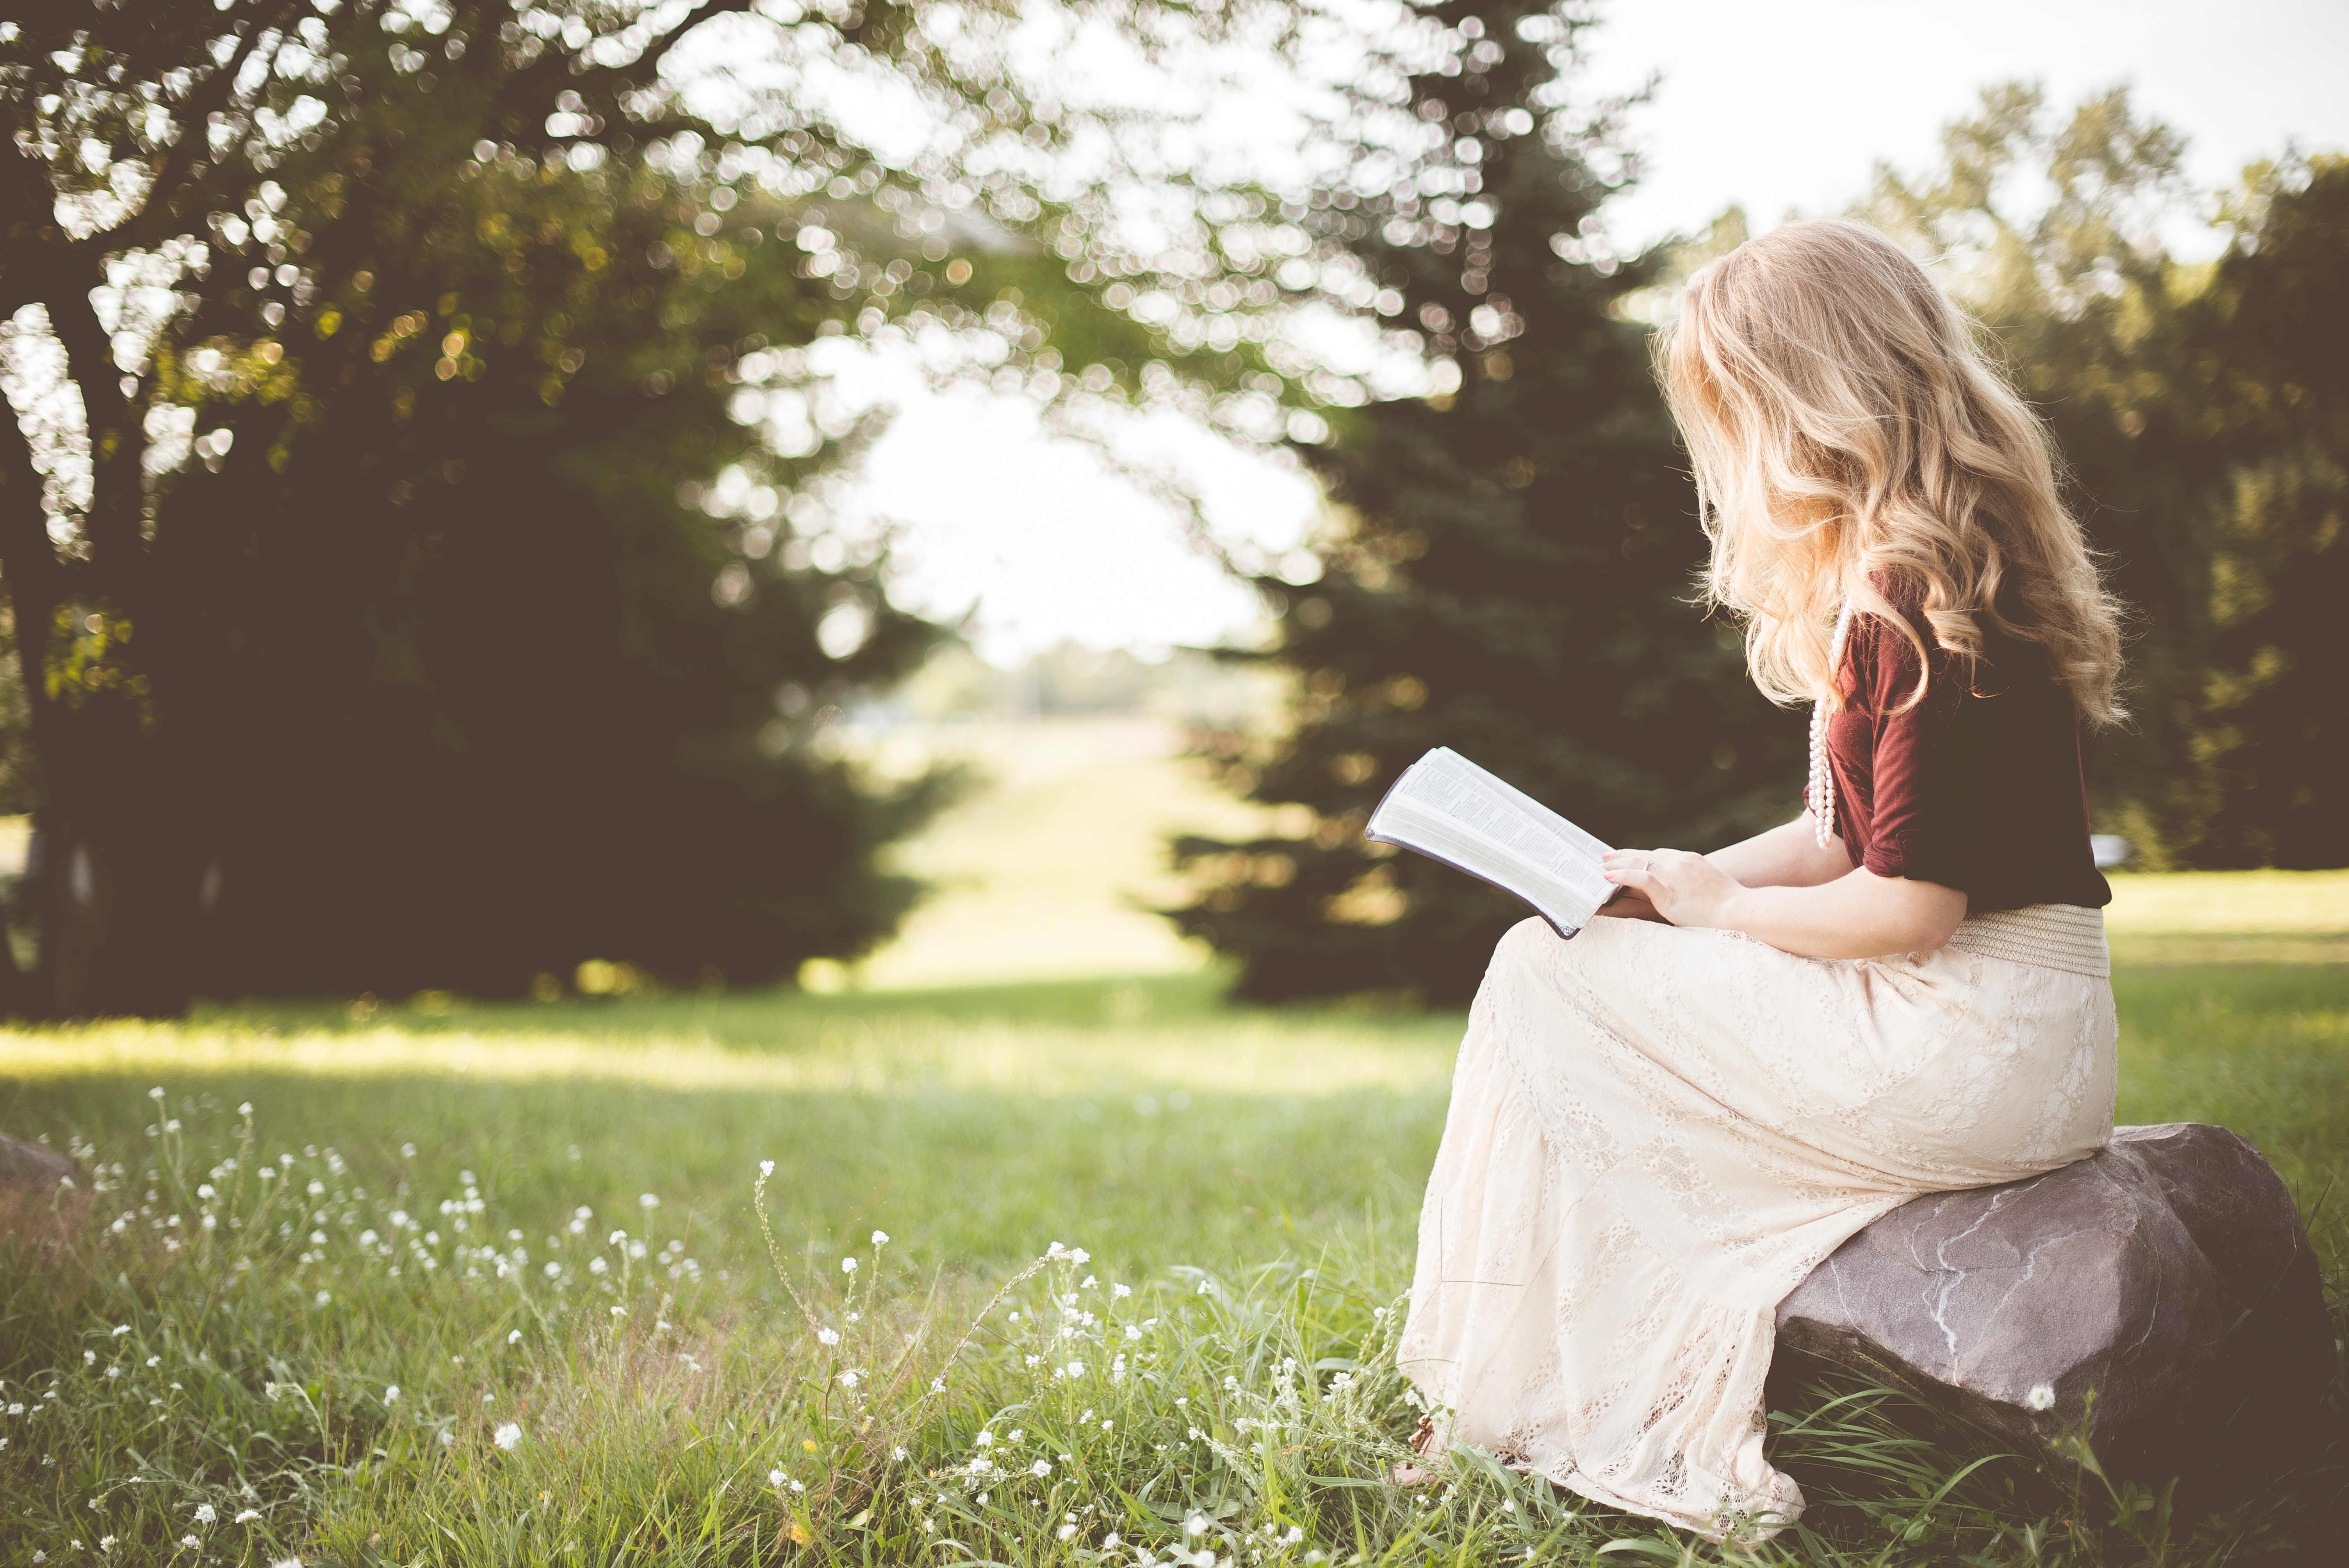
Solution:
(1447, 808)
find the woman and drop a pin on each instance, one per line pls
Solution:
(1657, 1129)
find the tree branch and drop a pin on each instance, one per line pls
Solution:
(537, 81)
(194, 116)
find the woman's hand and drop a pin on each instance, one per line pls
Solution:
(1682, 888)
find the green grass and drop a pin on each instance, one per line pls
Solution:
(1274, 1156)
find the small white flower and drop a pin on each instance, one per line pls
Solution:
(880, 1238)
(508, 1437)
(984, 1440)
(766, 1168)
(120, 1330)
(1065, 1532)
(2041, 1398)
(105, 1543)
(391, 1394)
(827, 1337)
(324, 1297)
(190, 1541)
(799, 1486)
(898, 1455)
(1041, 1469)
(287, 1563)
(648, 1200)
(850, 1378)
(1121, 1291)
(514, 1337)
(774, 1477)
(247, 1517)
(204, 1514)
(848, 1265)
(1079, 1257)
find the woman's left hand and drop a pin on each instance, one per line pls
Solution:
(1686, 888)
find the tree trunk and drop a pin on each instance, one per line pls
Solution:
(115, 904)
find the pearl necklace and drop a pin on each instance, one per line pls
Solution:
(1821, 776)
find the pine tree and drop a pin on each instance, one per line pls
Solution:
(1509, 568)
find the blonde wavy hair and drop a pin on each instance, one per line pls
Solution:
(1849, 436)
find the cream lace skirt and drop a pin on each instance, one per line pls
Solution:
(1656, 1133)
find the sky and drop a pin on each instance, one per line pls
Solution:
(1777, 107)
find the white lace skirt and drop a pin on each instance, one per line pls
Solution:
(1656, 1133)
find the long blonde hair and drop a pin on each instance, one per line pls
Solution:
(1849, 437)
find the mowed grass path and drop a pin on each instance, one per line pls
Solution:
(1138, 1118)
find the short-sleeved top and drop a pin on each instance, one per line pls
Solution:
(1978, 786)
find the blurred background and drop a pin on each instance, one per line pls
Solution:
(522, 500)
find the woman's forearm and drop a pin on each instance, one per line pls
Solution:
(1789, 855)
(1857, 915)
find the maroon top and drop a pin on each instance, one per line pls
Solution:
(1978, 786)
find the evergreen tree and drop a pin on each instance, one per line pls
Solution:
(1509, 564)
(2268, 753)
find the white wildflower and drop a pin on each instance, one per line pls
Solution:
(898, 1455)
(1121, 1291)
(391, 1394)
(766, 1168)
(120, 1330)
(204, 1514)
(190, 1541)
(1041, 1469)
(2041, 1398)
(774, 1477)
(508, 1437)
(827, 1337)
(880, 1238)
(848, 1265)
(648, 1200)
(514, 1337)
(248, 1517)
(851, 1377)
(1066, 1531)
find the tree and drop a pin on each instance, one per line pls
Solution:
(1510, 564)
(2201, 429)
(2268, 737)
(386, 362)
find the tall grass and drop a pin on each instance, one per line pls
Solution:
(317, 1362)
(228, 1355)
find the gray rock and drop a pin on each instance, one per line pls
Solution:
(28, 1167)
(2168, 1272)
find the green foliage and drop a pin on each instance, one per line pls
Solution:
(2202, 412)
(488, 632)
(1508, 566)
(492, 619)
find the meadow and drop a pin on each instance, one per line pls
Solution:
(1092, 1269)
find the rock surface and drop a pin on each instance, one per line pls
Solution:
(2168, 1272)
(28, 1167)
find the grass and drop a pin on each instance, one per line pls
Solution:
(1251, 1178)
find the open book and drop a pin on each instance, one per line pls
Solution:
(1450, 810)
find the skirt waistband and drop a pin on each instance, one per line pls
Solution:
(2053, 936)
